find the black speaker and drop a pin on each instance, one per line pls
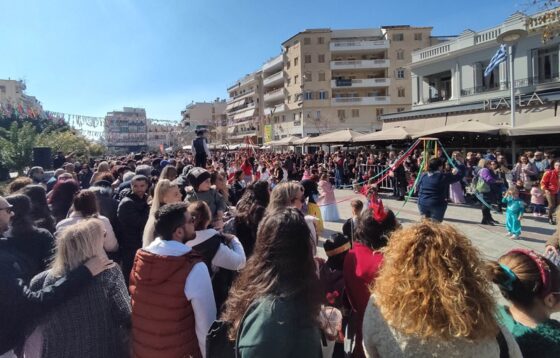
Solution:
(42, 156)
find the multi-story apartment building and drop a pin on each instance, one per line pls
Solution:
(162, 133)
(204, 115)
(12, 93)
(449, 86)
(126, 130)
(325, 80)
(244, 109)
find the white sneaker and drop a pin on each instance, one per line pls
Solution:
(535, 214)
(514, 237)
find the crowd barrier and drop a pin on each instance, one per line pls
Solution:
(386, 183)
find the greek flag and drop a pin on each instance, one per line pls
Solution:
(498, 58)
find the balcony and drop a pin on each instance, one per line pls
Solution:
(274, 109)
(356, 46)
(359, 64)
(361, 83)
(274, 64)
(248, 79)
(275, 79)
(276, 95)
(361, 101)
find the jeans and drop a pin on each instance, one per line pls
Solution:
(434, 212)
(551, 199)
(338, 178)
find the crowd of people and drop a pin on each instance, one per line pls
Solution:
(215, 255)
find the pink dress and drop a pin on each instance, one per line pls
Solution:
(327, 201)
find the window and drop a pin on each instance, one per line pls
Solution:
(318, 114)
(308, 95)
(296, 77)
(400, 92)
(323, 95)
(355, 113)
(321, 58)
(400, 54)
(398, 37)
(547, 63)
(399, 73)
(307, 41)
(307, 59)
(3, 89)
(400, 109)
(294, 116)
(296, 60)
(379, 112)
(341, 114)
(288, 65)
(418, 36)
(320, 40)
(307, 77)
(321, 76)
(288, 99)
(288, 81)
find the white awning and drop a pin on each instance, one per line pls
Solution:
(245, 114)
(230, 130)
(545, 126)
(234, 104)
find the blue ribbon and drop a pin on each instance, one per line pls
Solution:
(511, 277)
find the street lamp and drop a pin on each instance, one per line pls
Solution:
(510, 38)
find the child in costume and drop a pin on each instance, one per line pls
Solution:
(514, 212)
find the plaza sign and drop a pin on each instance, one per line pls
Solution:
(502, 102)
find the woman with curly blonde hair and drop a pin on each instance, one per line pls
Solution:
(432, 298)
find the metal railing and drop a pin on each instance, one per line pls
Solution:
(484, 88)
(386, 183)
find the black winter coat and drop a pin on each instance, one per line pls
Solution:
(133, 214)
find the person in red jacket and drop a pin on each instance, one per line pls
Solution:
(363, 262)
(550, 186)
(173, 303)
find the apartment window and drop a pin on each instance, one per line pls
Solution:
(400, 54)
(379, 112)
(320, 40)
(307, 77)
(546, 63)
(288, 99)
(307, 95)
(283, 118)
(323, 95)
(321, 76)
(321, 58)
(296, 77)
(307, 59)
(398, 37)
(355, 113)
(418, 36)
(294, 116)
(307, 41)
(318, 114)
(296, 60)
(400, 92)
(287, 65)
(400, 109)
(341, 114)
(399, 73)
(288, 81)
(2, 89)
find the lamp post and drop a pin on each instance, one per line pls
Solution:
(510, 38)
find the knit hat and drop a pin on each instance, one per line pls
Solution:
(163, 164)
(144, 169)
(197, 176)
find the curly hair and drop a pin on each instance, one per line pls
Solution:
(433, 284)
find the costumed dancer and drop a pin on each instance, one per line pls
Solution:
(311, 193)
(200, 149)
(327, 201)
(514, 212)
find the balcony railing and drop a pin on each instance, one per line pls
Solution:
(274, 95)
(553, 78)
(484, 88)
(538, 80)
(360, 83)
(361, 101)
(275, 110)
(359, 64)
(275, 78)
(273, 63)
(359, 45)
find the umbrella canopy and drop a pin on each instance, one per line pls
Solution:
(395, 133)
(465, 127)
(282, 142)
(244, 146)
(301, 141)
(545, 126)
(187, 147)
(341, 137)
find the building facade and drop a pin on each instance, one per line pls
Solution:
(449, 86)
(244, 110)
(204, 115)
(12, 92)
(162, 134)
(325, 80)
(126, 130)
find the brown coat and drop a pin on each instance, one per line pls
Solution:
(554, 240)
(163, 323)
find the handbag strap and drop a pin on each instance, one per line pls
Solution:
(504, 350)
(251, 307)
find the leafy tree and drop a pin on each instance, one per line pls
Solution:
(68, 141)
(16, 146)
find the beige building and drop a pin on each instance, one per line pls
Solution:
(325, 80)
(244, 109)
(162, 133)
(126, 130)
(204, 115)
(12, 93)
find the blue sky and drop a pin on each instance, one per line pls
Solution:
(92, 56)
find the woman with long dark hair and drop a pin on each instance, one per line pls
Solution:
(35, 244)
(40, 211)
(278, 292)
(61, 198)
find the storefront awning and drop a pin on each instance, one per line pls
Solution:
(465, 127)
(234, 104)
(230, 130)
(342, 136)
(395, 133)
(545, 126)
(245, 114)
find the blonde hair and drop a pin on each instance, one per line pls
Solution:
(162, 187)
(283, 195)
(103, 167)
(482, 163)
(76, 244)
(433, 284)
